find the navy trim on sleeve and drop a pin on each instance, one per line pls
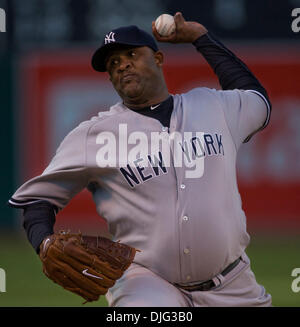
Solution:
(19, 204)
(232, 72)
(268, 107)
(39, 219)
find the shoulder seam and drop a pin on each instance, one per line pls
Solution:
(224, 117)
(89, 129)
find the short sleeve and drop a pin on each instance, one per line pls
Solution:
(65, 176)
(246, 112)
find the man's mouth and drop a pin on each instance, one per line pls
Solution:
(128, 77)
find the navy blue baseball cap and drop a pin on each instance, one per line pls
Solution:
(127, 35)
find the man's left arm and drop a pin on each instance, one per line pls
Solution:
(230, 70)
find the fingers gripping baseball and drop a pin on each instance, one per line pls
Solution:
(185, 32)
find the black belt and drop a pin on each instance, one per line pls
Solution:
(209, 284)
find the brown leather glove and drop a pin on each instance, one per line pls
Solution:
(85, 265)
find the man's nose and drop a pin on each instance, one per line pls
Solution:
(124, 63)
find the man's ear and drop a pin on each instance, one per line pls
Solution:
(159, 58)
(109, 76)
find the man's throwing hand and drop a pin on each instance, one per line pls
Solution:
(185, 32)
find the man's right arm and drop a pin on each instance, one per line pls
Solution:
(43, 196)
(39, 220)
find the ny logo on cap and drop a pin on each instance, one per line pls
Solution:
(109, 38)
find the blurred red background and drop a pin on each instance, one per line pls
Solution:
(60, 89)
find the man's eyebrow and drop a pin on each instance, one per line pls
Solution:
(116, 53)
(110, 56)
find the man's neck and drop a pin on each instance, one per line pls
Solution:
(147, 103)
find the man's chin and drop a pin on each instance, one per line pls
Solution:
(131, 93)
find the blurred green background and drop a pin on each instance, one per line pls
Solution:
(272, 260)
(26, 285)
(269, 169)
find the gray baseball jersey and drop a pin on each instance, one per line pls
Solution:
(172, 193)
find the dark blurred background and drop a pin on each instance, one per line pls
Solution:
(48, 87)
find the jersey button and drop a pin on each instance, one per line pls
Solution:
(188, 277)
(185, 218)
(182, 186)
(186, 251)
(164, 129)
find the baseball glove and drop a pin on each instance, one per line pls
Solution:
(85, 265)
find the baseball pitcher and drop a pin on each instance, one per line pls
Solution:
(161, 169)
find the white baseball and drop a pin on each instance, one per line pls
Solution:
(165, 24)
